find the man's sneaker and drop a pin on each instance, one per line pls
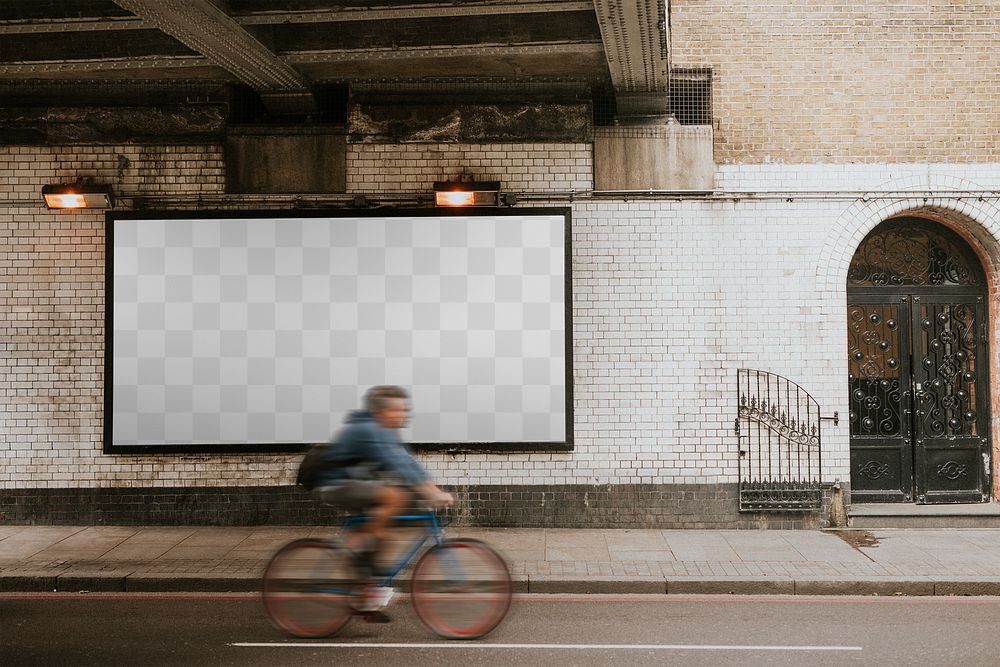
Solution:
(384, 595)
(376, 598)
(376, 617)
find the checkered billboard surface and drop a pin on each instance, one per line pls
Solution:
(268, 330)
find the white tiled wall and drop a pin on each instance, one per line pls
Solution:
(670, 298)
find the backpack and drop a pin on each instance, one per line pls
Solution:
(311, 466)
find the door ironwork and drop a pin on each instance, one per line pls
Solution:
(917, 367)
(880, 398)
(952, 459)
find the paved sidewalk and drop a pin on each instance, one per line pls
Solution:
(850, 562)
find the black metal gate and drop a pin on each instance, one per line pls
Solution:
(780, 444)
(917, 363)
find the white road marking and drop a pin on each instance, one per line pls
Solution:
(602, 647)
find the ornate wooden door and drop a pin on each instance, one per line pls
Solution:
(880, 399)
(917, 369)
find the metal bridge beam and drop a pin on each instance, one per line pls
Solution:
(282, 16)
(636, 41)
(203, 27)
(347, 55)
(443, 10)
(299, 57)
(96, 24)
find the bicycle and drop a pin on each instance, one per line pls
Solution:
(460, 588)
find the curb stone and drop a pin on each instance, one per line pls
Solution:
(174, 583)
(865, 586)
(596, 585)
(730, 586)
(29, 582)
(79, 582)
(969, 586)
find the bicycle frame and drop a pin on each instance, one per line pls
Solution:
(432, 529)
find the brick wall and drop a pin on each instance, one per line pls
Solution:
(670, 297)
(52, 292)
(883, 81)
(52, 310)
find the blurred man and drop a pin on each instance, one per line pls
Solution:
(367, 469)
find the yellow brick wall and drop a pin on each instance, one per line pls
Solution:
(832, 81)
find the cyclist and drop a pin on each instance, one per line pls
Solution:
(369, 470)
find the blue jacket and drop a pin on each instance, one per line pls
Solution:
(362, 447)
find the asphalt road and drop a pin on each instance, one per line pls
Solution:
(161, 629)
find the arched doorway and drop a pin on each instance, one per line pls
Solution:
(917, 337)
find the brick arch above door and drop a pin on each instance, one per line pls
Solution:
(976, 218)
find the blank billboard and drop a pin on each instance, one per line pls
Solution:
(266, 329)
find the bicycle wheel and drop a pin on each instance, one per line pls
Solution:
(461, 589)
(309, 588)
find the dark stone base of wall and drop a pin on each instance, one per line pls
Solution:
(164, 506)
(621, 506)
(520, 506)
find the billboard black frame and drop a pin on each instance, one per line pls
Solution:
(294, 447)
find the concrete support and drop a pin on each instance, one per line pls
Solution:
(297, 162)
(665, 157)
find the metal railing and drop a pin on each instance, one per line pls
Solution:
(778, 427)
